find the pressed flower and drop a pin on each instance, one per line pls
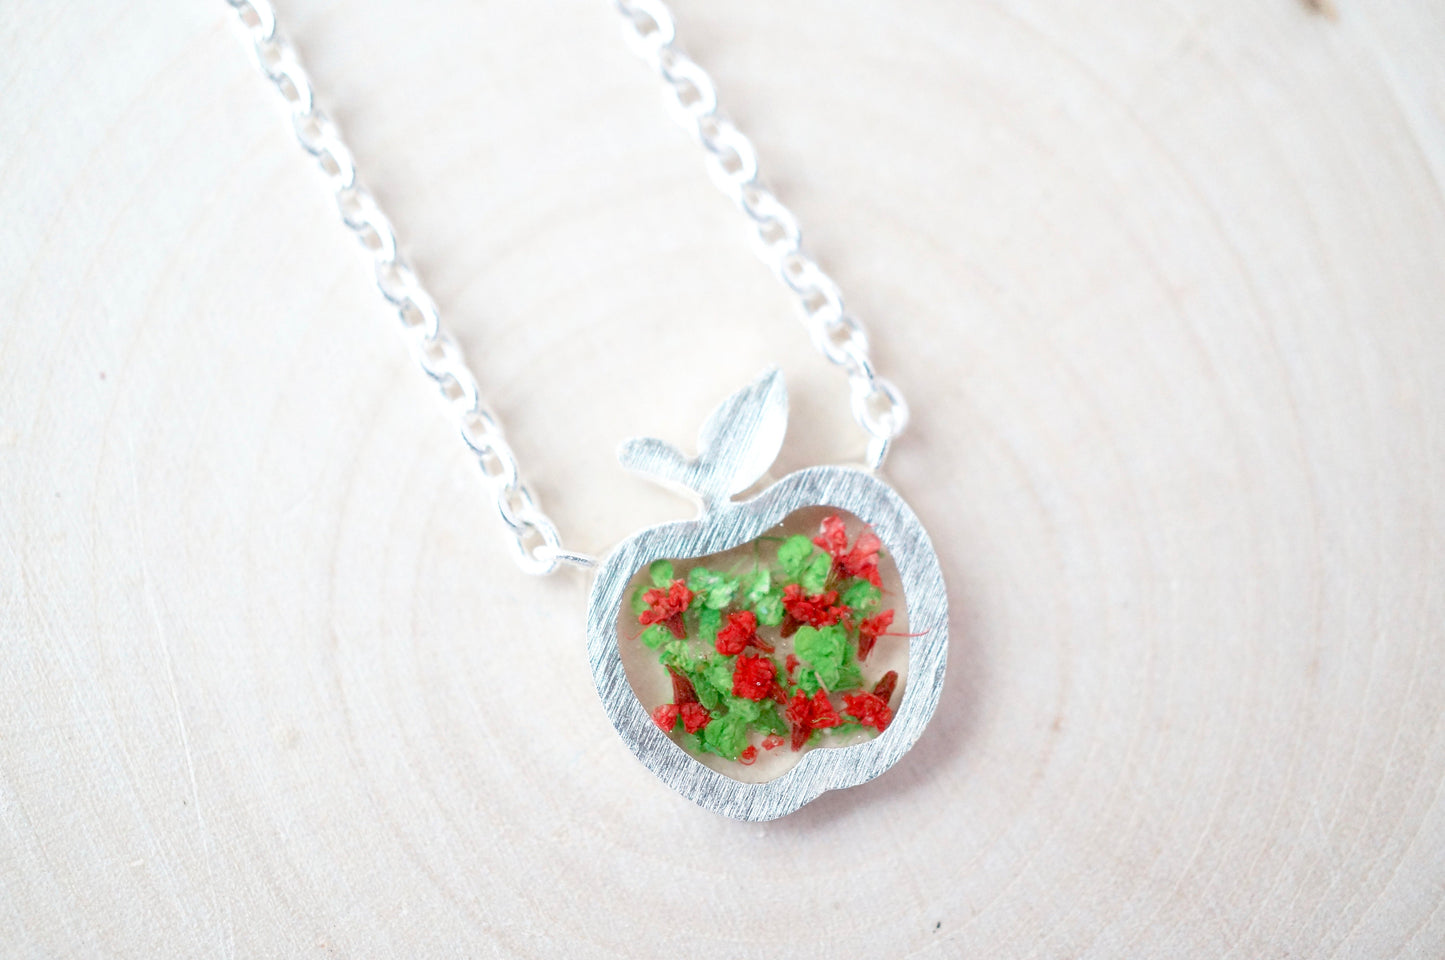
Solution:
(660, 572)
(817, 610)
(824, 715)
(758, 592)
(862, 598)
(682, 688)
(665, 716)
(868, 709)
(727, 736)
(860, 561)
(717, 674)
(829, 658)
(806, 714)
(800, 716)
(715, 589)
(740, 631)
(733, 695)
(694, 717)
(833, 536)
(770, 721)
(885, 686)
(753, 677)
(666, 607)
(708, 623)
(870, 630)
(803, 564)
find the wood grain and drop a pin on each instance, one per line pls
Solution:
(1163, 281)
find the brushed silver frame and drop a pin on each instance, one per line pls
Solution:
(722, 525)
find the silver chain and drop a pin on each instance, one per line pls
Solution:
(732, 162)
(536, 543)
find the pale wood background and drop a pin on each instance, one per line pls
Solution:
(1165, 283)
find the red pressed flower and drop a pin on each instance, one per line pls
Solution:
(823, 713)
(740, 631)
(867, 709)
(819, 610)
(807, 715)
(861, 561)
(772, 741)
(694, 717)
(870, 630)
(800, 716)
(883, 690)
(665, 716)
(682, 689)
(798, 708)
(753, 677)
(666, 607)
(747, 757)
(833, 536)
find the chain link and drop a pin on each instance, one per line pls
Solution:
(536, 544)
(732, 162)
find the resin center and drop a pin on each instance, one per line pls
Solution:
(794, 641)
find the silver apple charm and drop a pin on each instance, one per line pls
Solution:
(736, 445)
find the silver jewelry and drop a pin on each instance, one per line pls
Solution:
(737, 446)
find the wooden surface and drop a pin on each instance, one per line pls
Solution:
(1165, 283)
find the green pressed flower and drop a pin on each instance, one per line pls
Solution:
(794, 555)
(660, 573)
(678, 654)
(705, 629)
(822, 648)
(814, 576)
(726, 736)
(754, 586)
(656, 636)
(829, 655)
(757, 591)
(639, 601)
(769, 610)
(862, 597)
(744, 709)
(713, 590)
(768, 720)
(708, 621)
(719, 675)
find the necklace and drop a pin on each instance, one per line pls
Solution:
(775, 646)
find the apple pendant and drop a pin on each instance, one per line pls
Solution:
(830, 589)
